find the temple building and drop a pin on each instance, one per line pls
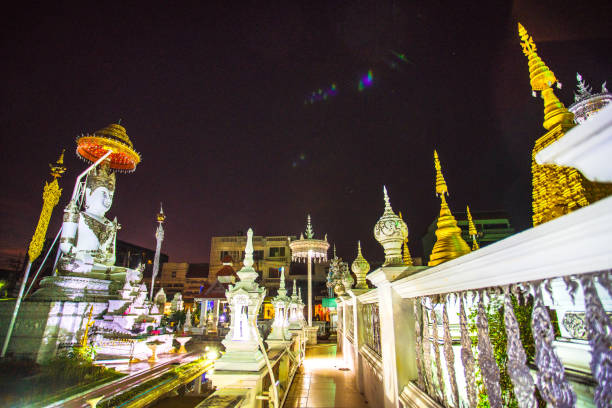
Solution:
(558, 190)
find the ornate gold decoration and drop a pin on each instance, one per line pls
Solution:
(472, 230)
(449, 244)
(360, 267)
(87, 326)
(58, 168)
(115, 138)
(557, 190)
(101, 176)
(51, 196)
(405, 250)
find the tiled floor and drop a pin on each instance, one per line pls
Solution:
(321, 383)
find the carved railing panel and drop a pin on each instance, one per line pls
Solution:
(350, 321)
(371, 327)
(503, 372)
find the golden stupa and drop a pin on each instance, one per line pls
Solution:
(557, 190)
(472, 230)
(449, 244)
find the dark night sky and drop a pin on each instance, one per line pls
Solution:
(212, 96)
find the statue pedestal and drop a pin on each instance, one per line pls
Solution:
(182, 341)
(74, 288)
(311, 334)
(240, 356)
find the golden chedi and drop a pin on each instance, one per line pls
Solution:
(449, 244)
(472, 230)
(360, 268)
(405, 251)
(557, 190)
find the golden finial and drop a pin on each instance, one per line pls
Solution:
(441, 187)
(449, 243)
(542, 79)
(58, 168)
(472, 230)
(161, 217)
(405, 250)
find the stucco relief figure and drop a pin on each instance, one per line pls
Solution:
(88, 237)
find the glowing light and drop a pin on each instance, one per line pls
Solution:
(366, 81)
(321, 94)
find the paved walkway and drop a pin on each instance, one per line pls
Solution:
(320, 382)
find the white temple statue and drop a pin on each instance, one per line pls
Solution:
(279, 335)
(88, 237)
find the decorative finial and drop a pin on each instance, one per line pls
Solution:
(161, 217)
(603, 87)
(282, 278)
(335, 250)
(390, 231)
(449, 243)
(58, 168)
(360, 268)
(542, 79)
(300, 294)
(294, 292)
(441, 187)
(387, 201)
(309, 232)
(248, 250)
(472, 230)
(584, 89)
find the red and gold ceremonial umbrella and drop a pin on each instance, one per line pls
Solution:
(114, 138)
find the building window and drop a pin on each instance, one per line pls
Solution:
(276, 252)
(174, 274)
(274, 273)
(258, 255)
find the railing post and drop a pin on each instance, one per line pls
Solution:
(381, 278)
(357, 337)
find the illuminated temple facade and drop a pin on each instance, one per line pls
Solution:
(558, 190)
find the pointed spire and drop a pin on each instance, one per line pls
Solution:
(335, 256)
(309, 232)
(387, 201)
(300, 294)
(441, 187)
(360, 268)
(58, 168)
(542, 79)
(282, 292)
(405, 251)
(449, 244)
(161, 217)
(472, 230)
(248, 250)
(294, 292)
(584, 89)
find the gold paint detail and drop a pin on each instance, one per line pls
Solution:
(101, 176)
(405, 250)
(51, 196)
(87, 326)
(449, 244)
(473, 232)
(559, 190)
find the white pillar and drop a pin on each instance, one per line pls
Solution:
(310, 288)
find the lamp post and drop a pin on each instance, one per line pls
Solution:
(311, 250)
(159, 235)
(51, 195)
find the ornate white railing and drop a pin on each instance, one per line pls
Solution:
(456, 334)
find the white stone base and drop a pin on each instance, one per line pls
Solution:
(241, 361)
(311, 334)
(275, 344)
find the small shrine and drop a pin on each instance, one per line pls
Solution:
(279, 335)
(242, 349)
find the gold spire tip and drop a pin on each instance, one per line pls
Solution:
(441, 187)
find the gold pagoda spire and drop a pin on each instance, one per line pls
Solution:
(472, 230)
(405, 250)
(449, 244)
(441, 187)
(542, 79)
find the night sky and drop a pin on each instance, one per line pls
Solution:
(213, 99)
